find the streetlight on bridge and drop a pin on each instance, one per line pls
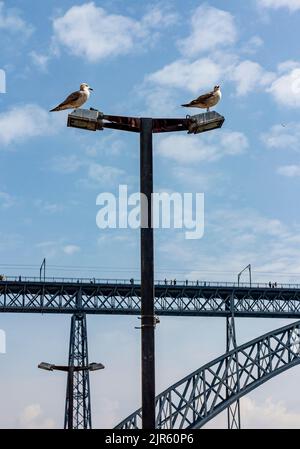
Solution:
(94, 120)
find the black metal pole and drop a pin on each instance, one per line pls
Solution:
(71, 396)
(147, 276)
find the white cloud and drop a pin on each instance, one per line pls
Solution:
(184, 150)
(269, 414)
(91, 32)
(49, 208)
(284, 136)
(192, 177)
(40, 60)
(104, 175)
(159, 16)
(218, 65)
(23, 122)
(67, 164)
(235, 239)
(11, 21)
(32, 418)
(292, 5)
(286, 88)
(6, 200)
(205, 72)
(285, 66)
(54, 248)
(71, 249)
(193, 76)
(250, 76)
(210, 28)
(253, 44)
(290, 171)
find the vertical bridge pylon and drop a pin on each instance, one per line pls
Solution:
(233, 382)
(78, 398)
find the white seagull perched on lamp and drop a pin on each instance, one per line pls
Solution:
(206, 101)
(75, 99)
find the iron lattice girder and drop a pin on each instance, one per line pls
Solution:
(200, 396)
(79, 398)
(123, 299)
(233, 411)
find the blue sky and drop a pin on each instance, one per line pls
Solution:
(145, 60)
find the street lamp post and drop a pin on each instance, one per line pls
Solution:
(70, 369)
(248, 267)
(93, 120)
(147, 276)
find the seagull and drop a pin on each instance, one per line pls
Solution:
(207, 100)
(76, 99)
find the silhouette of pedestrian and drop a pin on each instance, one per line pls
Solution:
(270, 285)
(174, 281)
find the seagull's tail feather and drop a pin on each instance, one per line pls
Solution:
(55, 109)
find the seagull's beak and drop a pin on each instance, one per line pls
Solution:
(90, 88)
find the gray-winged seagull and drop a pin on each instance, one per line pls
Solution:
(76, 99)
(206, 101)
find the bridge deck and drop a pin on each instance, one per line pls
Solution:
(93, 296)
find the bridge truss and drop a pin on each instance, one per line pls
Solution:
(200, 396)
(124, 299)
(81, 297)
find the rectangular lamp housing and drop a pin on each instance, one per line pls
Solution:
(204, 122)
(89, 119)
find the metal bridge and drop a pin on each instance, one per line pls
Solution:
(191, 402)
(93, 296)
(196, 399)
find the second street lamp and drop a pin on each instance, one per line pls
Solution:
(70, 370)
(93, 120)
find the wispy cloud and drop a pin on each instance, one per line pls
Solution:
(47, 207)
(103, 175)
(209, 148)
(285, 136)
(71, 249)
(55, 248)
(20, 123)
(32, 417)
(292, 5)
(291, 171)
(40, 60)
(6, 200)
(12, 22)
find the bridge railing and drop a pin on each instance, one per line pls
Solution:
(166, 282)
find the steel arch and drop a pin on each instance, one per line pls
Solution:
(194, 400)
